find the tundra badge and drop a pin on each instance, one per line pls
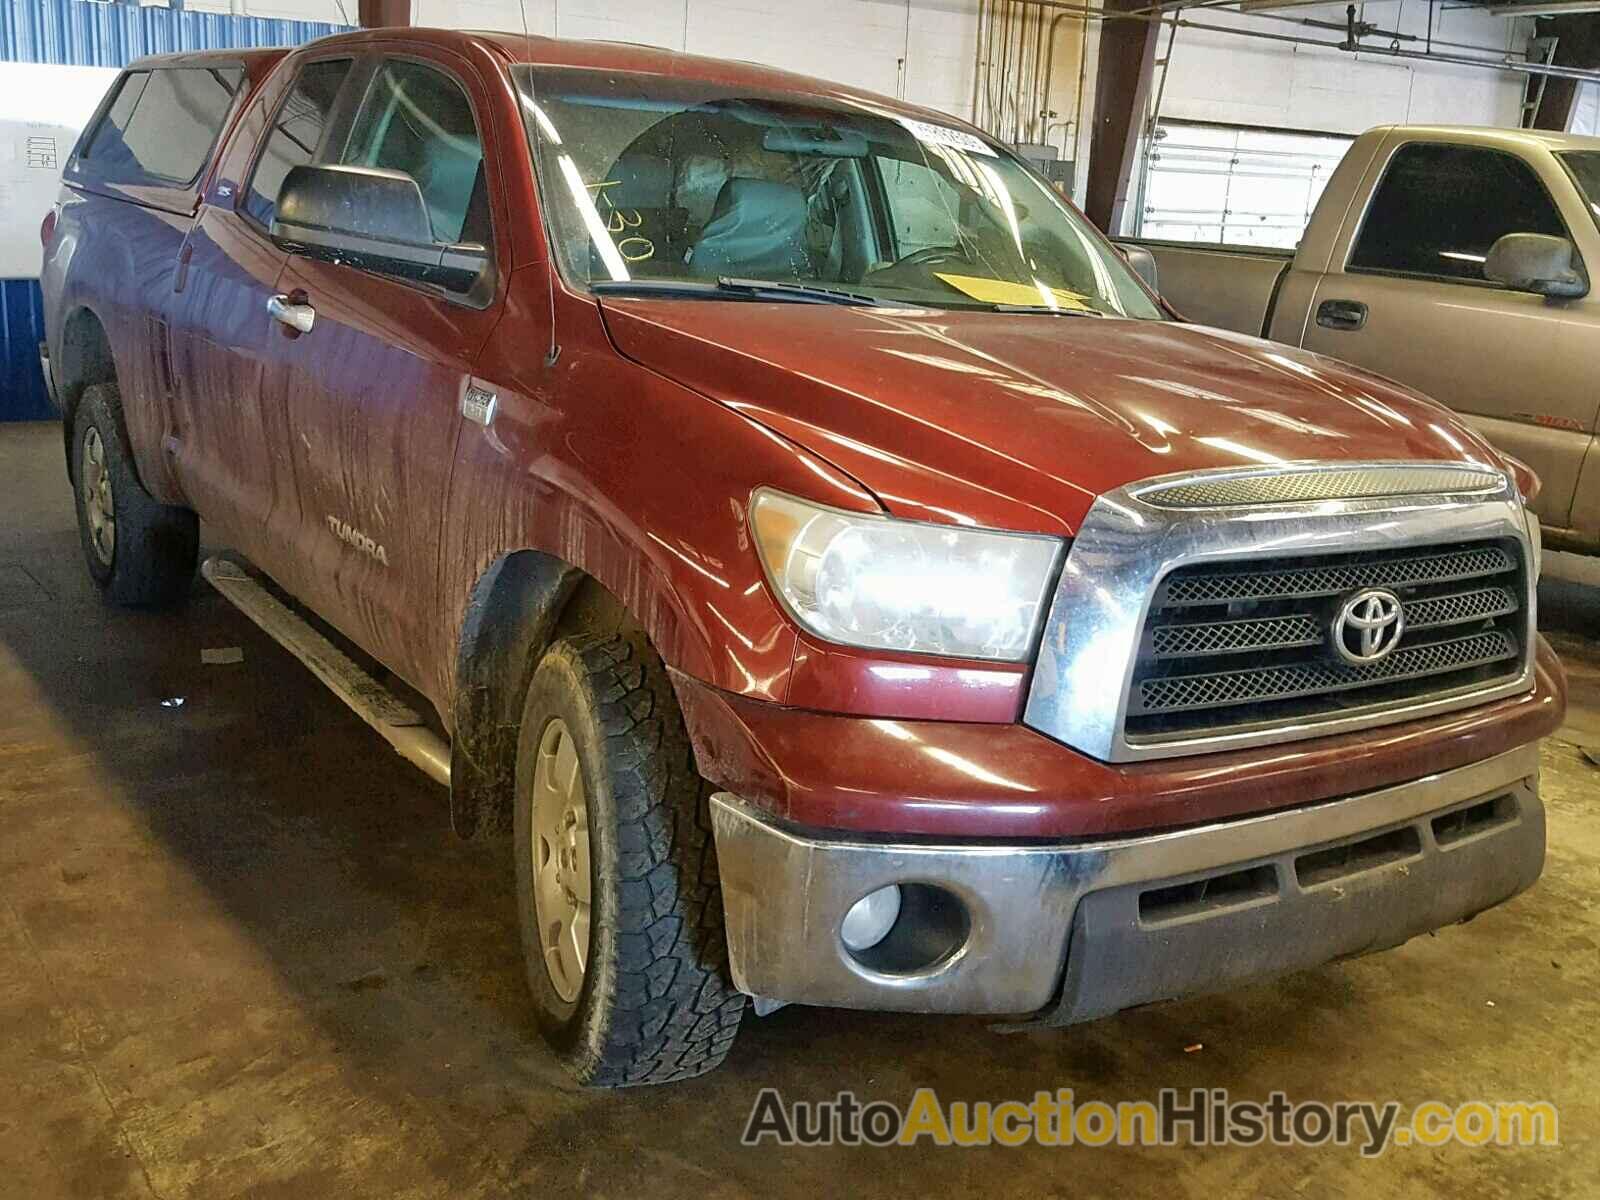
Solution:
(352, 536)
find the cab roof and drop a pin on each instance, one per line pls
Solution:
(1498, 138)
(256, 60)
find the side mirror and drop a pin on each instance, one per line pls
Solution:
(370, 218)
(1143, 264)
(1538, 263)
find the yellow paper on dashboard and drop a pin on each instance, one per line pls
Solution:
(1000, 291)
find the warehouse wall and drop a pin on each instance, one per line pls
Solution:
(1281, 86)
(922, 50)
(919, 49)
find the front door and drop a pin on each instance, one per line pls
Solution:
(372, 393)
(227, 436)
(1411, 302)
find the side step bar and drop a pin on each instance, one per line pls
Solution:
(396, 722)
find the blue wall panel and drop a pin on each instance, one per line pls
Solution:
(22, 394)
(81, 33)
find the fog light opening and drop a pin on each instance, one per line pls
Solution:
(905, 929)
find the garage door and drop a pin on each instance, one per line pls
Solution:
(1221, 183)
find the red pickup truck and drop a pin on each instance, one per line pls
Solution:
(792, 523)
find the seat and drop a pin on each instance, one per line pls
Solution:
(636, 203)
(757, 230)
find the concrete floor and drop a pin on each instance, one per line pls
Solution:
(240, 954)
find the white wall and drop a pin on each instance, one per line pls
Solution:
(342, 12)
(918, 49)
(1586, 112)
(1248, 81)
(42, 111)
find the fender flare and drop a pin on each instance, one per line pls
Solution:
(84, 357)
(512, 615)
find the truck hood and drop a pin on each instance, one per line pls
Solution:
(1018, 421)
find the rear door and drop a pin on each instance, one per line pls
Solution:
(227, 435)
(142, 161)
(372, 395)
(1407, 298)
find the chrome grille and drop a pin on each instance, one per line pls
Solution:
(1281, 633)
(1329, 579)
(1226, 647)
(1228, 637)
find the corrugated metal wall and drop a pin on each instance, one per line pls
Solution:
(22, 394)
(83, 33)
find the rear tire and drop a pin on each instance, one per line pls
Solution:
(140, 552)
(641, 994)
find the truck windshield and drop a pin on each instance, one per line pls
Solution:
(673, 186)
(1584, 167)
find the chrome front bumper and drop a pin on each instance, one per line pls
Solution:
(1069, 931)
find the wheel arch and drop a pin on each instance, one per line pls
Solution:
(84, 358)
(521, 603)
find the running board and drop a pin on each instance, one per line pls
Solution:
(375, 704)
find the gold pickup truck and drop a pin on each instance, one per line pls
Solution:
(1456, 261)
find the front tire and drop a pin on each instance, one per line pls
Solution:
(617, 889)
(140, 552)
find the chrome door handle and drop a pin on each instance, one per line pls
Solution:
(299, 317)
(1341, 314)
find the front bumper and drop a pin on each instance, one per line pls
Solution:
(1070, 931)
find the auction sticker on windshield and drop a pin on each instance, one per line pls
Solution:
(939, 135)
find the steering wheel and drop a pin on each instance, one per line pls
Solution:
(932, 256)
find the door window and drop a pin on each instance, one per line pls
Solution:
(162, 124)
(297, 134)
(417, 119)
(1440, 208)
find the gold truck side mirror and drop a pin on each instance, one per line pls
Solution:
(1538, 263)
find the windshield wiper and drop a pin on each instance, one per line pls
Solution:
(804, 292)
(1047, 310)
(749, 289)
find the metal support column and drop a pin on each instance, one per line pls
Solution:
(1122, 93)
(375, 14)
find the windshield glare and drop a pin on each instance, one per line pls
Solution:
(666, 181)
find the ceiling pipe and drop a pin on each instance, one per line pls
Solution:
(1458, 60)
(1369, 30)
(1159, 13)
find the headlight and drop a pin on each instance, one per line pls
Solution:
(868, 580)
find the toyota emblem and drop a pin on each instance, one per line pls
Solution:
(1368, 626)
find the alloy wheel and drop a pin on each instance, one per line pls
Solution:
(98, 503)
(561, 890)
